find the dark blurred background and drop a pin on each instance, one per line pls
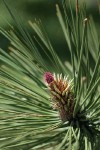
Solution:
(46, 11)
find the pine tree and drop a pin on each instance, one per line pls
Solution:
(50, 105)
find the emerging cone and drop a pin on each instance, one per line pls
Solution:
(61, 94)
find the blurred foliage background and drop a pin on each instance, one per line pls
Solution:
(46, 11)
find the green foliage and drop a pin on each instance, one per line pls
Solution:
(27, 118)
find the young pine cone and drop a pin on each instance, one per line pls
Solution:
(61, 94)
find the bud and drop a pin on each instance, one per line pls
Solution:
(48, 77)
(61, 94)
